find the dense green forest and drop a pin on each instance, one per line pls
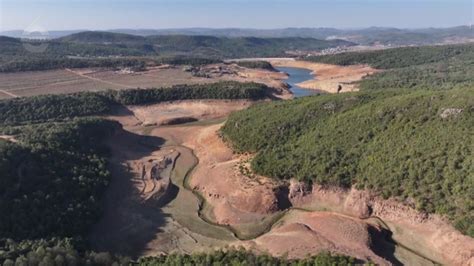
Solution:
(399, 57)
(65, 106)
(106, 49)
(54, 252)
(69, 252)
(363, 36)
(51, 184)
(452, 73)
(38, 63)
(52, 107)
(53, 178)
(208, 46)
(403, 144)
(429, 67)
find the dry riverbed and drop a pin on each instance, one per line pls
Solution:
(212, 200)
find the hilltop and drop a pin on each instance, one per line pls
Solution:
(101, 37)
(102, 49)
(207, 45)
(365, 36)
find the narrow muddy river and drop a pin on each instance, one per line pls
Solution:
(183, 220)
(298, 75)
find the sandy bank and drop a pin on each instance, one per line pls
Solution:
(430, 235)
(328, 77)
(158, 114)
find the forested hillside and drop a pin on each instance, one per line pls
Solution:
(364, 36)
(106, 49)
(399, 57)
(44, 62)
(205, 45)
(66, 106)
(429, 67)
(239, 47)
(402, 144)
(53, 179)
(68, 252)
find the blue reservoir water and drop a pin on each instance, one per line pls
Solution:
(298, 75)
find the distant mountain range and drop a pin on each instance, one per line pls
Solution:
(95, 48)
(203, 45)
(367, 36)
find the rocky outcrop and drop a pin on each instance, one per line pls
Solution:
(298, 189)
(431, 235)
(316, 232)
(450, 112)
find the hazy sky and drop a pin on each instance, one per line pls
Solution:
(112, 14)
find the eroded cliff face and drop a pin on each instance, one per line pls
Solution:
(300, 233)
(428, 234)
(247, 202)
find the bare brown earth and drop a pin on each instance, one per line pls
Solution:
(328, 77)
(430, 235)
(146, 215)
(236, 199)
(158, 114)
(301, 233)
(76, 80)
(152, 216)
(141, 219)
(149, 216)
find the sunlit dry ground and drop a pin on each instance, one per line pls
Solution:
(329, 77)
(76, 80)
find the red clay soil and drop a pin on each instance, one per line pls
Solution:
(237, 197)
(302, 233)
(431, 235)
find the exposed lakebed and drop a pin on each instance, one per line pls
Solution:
(296, 76)
(197, 212)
